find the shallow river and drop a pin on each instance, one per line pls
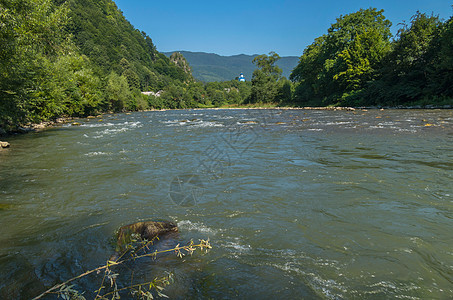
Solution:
(296, 203)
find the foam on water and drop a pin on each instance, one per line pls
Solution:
(196, 226)
(97, 153)
(207, 124)
(237, 246)
(193, 123)
(97, 125)
(118, 128)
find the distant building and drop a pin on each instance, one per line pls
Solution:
(241, 78)
(152, 93)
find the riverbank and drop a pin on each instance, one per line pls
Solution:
(36, 127)
(33, 128)
(276, 106)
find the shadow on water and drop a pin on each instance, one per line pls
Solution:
(50, 252)
(57, 250)
(18, 279)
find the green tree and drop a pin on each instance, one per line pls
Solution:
(284, 91)
(35, 43)
(361, 60)
(404, 76)
(217, 98)
(118, 93)
(265, 78)
(231, 95)
(343, 59)
(440, 69)
(132, 79)
(72, 87)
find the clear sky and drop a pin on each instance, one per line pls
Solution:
(256, 27)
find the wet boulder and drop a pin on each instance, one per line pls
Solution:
(146, 230)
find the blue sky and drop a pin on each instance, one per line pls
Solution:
(256, 27)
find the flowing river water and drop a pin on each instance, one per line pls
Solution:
(312, 204)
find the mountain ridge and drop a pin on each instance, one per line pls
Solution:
(210, 67)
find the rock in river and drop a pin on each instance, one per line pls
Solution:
(147, 230)
(4, 145)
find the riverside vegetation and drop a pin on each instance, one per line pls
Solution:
(82, 57)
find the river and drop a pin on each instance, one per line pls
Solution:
(313, 204)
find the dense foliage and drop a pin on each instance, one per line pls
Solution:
(74, 58)
(268, 85)
(357, 63)
(42, 75)
(80, 57)
(197, 94)
(419, 69)
(103, 34)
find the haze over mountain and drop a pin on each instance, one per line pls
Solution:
(210, 67)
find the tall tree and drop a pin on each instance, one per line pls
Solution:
(405, 70)
(31, 77)
(265, 78)
(360, 61)
(440, 72)
(118, 93)
(343, 58)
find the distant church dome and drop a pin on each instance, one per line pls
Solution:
(241, 78)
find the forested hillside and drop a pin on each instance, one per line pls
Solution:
(103, 34)
(74, 58)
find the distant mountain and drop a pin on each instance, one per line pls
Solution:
(209, 67)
